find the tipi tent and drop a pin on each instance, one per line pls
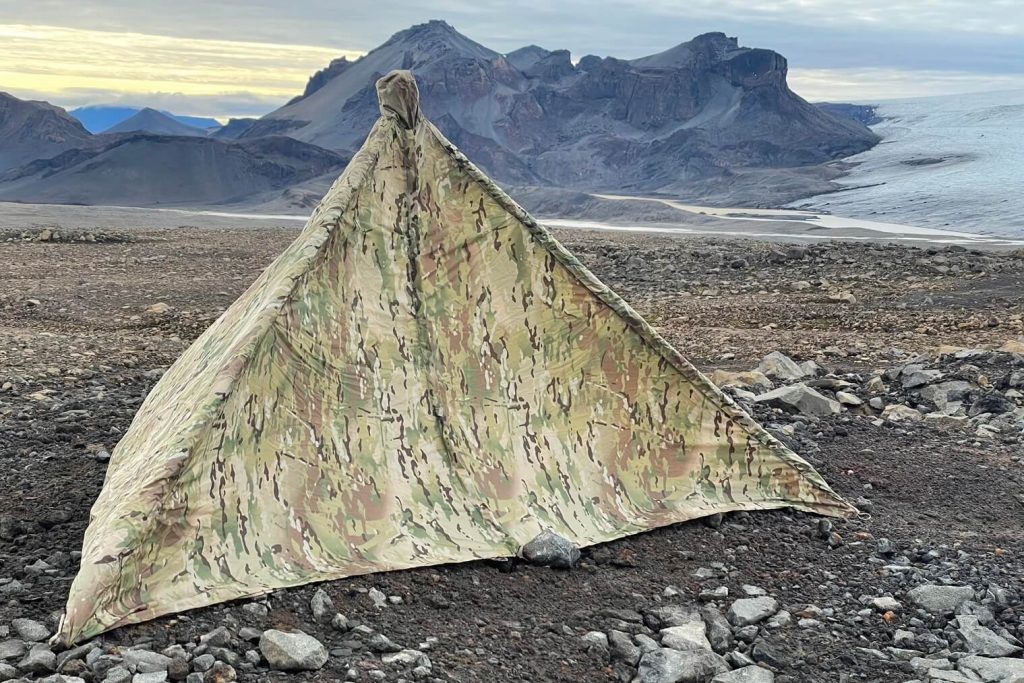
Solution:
(424, 376)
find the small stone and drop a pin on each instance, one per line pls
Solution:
(118, 674)
(150, 677)
(249, 634)
(218, 637)
(220, 673)
(717, 593)
(379, 642)
(38, 661)
(144, 661)
(748, 611)
(204, 662)
(12, 649)
(378, 598)
(886, 604)
(322, 606)
(621, 647)
(294, 651)
(30, 630)
(848, 399)
(548, 549)
(748, 674)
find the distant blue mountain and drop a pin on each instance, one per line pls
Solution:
(98, 118)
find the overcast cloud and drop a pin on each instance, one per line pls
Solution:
(837, 49)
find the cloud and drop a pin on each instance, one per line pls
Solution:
(67, 66)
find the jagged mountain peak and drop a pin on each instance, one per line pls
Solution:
(436, 38)
(713, 47)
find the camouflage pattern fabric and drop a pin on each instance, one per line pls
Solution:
(424, 376)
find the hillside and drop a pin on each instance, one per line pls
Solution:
(148, 170)
(705, 110)
(35, 130)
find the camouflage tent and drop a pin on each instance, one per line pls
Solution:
(424, 376)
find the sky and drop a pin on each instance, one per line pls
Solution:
(229, 58)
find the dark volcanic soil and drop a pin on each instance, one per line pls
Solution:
(79, 351)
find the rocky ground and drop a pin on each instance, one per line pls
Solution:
(888, 378)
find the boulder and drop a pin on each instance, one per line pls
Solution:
(748, 611)
(548, 549)
(293, 651)
(947, 396)
(801, 398)
(30, 630)
(992, 402)
(687, 636)
(679, 666)
(779, 366)
(983, 641)
(940, 600)
(992, 669)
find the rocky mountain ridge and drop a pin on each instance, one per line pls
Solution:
(706, 120)
(707, 108)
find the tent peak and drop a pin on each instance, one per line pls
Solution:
(399, 97)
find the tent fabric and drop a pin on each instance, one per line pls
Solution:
(424, 376)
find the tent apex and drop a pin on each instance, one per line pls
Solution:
(399, 97)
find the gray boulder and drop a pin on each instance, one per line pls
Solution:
(940, 600)
(992, 402)
(30, 630)
(12, 649)
(548, 549)
(983, 641)
(801, 398)
(145, 662)
(778, 365)
(675, 666)
(621, 647)
(294, 651)
(749, 611)
(947, 397)
(719, 632)
(992, 668)
(39, 660)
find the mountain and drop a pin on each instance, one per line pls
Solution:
(100, 118)
(152, 121)
(148, 170)
(706, 111)
(33, 130)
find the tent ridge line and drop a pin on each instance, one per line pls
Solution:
(635, 321)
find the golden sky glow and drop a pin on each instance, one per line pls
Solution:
(71, 66)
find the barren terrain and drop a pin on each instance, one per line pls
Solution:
(89, 319)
